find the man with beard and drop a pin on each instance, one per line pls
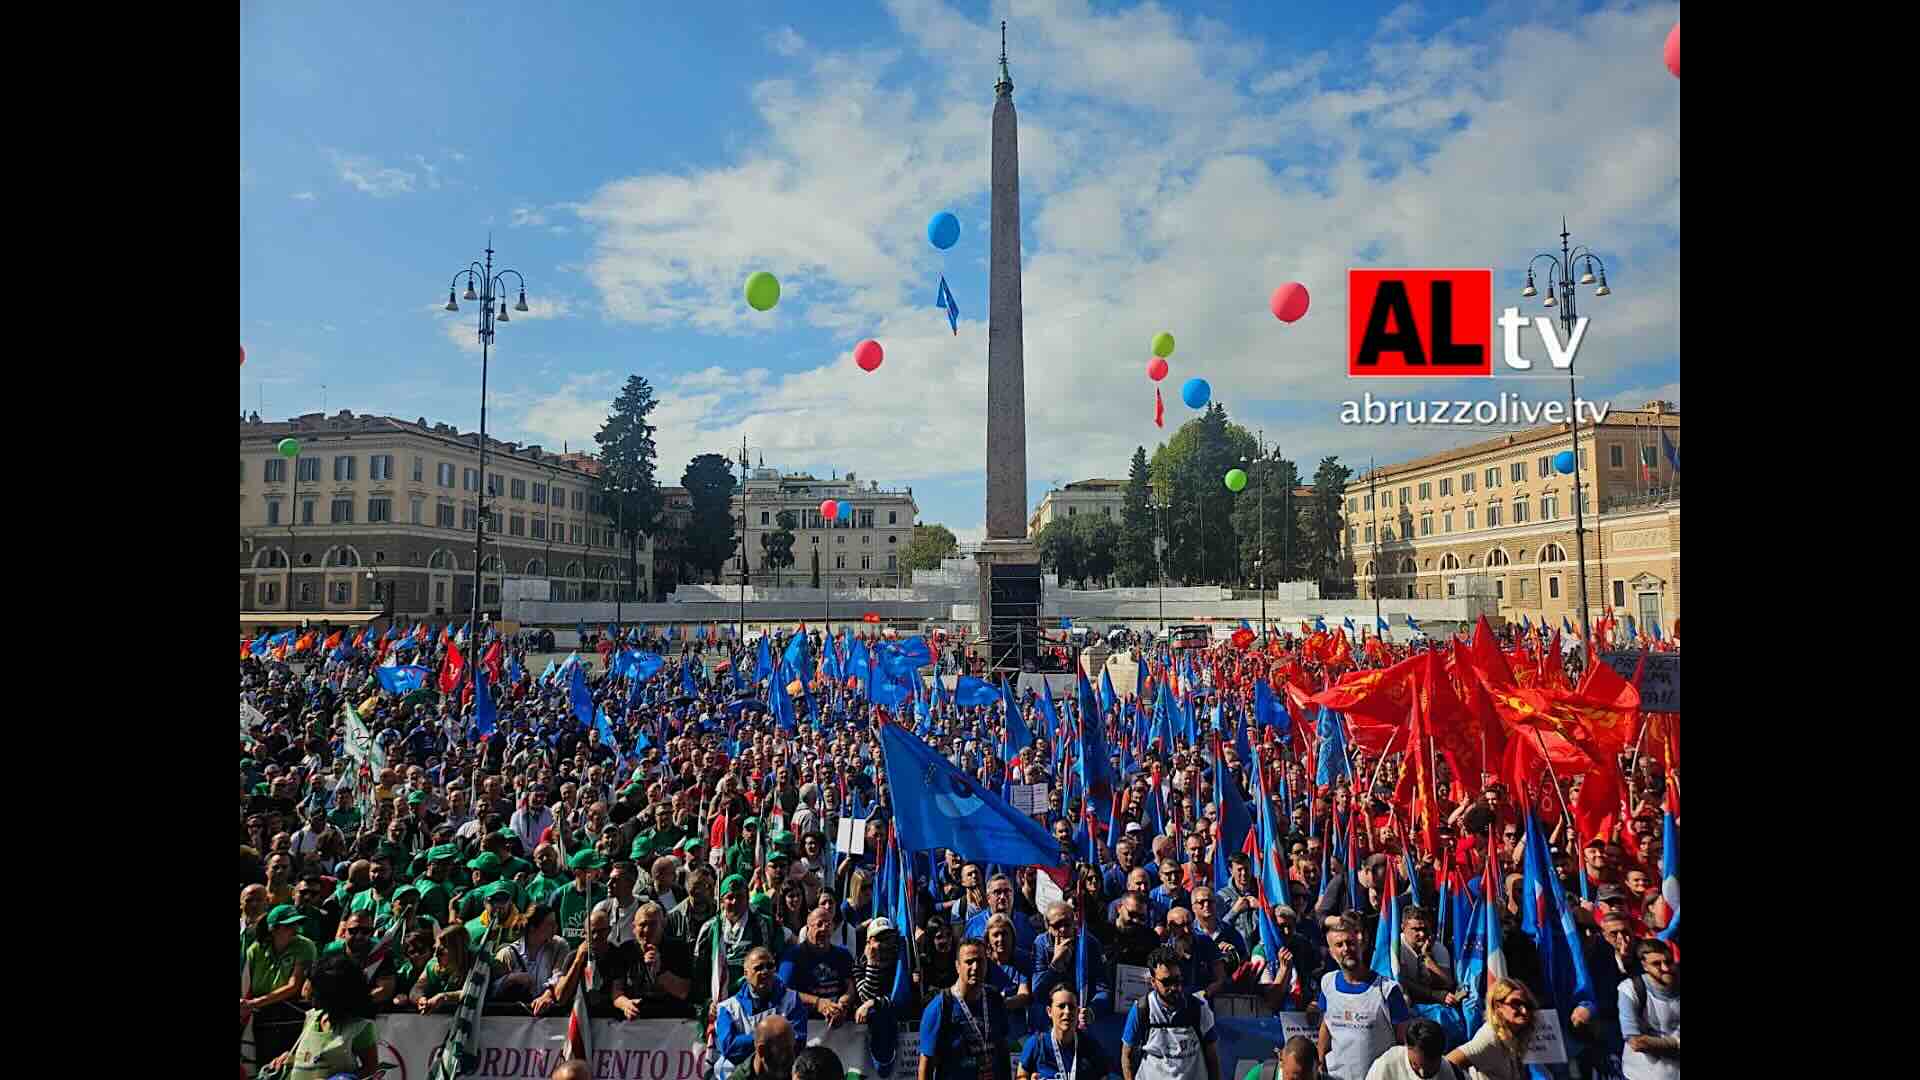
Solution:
(549, 876)
(377, 900)
(686, 918)
(436, 890)
(573, 902)
(1650, 1014)
(376, 963)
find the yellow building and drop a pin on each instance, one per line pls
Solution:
(1496, 518)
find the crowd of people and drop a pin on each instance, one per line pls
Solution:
(672, 849)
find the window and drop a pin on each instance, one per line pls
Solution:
(1583, 459)
(308, 471)
(1615, 457)
(489, 593)
(1470, 526)
(1553, 553)
(419, 469)
(1586, 501)
(1493, 477)
(839, 562)
(342, 469)
(1446, 486)
(1352, 505)
(1449, 590)
(519, 489)
(306, 592)
(269, 592)
(866, 562)
(1466, 483)
(766, 517)
(1426, 491)
(866, 519)
(539, 528)
(1446, 522)
(1368, 502)
(516, 526)
(1519, 511)
(1493, 515)
(469, 479)
(1353, 535)
(839, 539)
(1517, 471)
(1496, 557)
(1519, 589)
(339, 592)
(1646, 457)
(380, 467)
(468, 518)
(306, 511)
(815, 539)
(445, 475)
(276, 470)
(418, 507)
(893, 562)
(1426, 524)
(866, 539)
(1406, 496)
(540, 494)
(1071, 511)
(576, 534)
(273, 511)
(443, 515)
(1369, 534)
(1549, 507)
(1499, 588)
(493, 484)
(1386, 534)
(379, 509)
(342, 511)
(1619, 594)
(1553, 588)
(1543, 467)
(439, 592)
(893, 517)
(558, 497)
(579, 500)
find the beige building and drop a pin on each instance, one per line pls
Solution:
(868, 549)
(1096, 496)
(1495, 518)
(380, 513)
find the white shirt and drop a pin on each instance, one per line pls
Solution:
(1392, 1065)
(528, 825)
(620, 918)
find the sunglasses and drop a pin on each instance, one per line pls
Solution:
(358, 931)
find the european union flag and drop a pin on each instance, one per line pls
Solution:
(401, 680)
(938, 806)
(969, 691)
(944, 299)
(580, 698)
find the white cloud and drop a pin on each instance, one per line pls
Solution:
(1158, 195)
(527, 215)
(370, 177)
(462, 328)
(304, 196)
(786, 41)
(970, 535)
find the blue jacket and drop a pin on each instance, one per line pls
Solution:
(733, 1029)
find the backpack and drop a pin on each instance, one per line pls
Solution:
(1186, 1016)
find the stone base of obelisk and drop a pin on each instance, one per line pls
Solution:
(1010, 600)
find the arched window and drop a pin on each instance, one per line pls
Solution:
(1553, 553)
(271, 559)
(536, 568)
(438, 560)
(607, 572)
(1496, 557)
(1407, 567)
(492, 565)
(574, 569)
(1448, 562)
(343, 556)
(1369, 571)
(1473, 560)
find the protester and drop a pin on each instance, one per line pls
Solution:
(1062, 1049)
(1496, 1051)
(1169, 1033)
(338, 1034)
(1420, 1059)
(1650, 1015)
(1362, 1012)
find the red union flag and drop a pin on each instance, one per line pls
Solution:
(1426, 323)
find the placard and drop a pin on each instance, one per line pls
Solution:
(1239, 1006)
(1130, 983)
(1547, 1046)
(1046, 892)
(1028, 798)
(852, 838)
(1659, 684)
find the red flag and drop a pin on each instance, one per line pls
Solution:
(492, 661)
(451, 671)
(1484, 655)
(1376, 702)
(1159, 410)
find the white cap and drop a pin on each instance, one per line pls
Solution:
(881, 926)
(1134, 826)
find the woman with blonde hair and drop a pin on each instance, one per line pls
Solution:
(1496, 1050)
(445, 976)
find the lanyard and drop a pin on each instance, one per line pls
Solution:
(979, 1033)
(1061, 1064)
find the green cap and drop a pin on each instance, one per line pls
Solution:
(262, 788)
(781, 838)
(733, 882)
(588, 859)
(442, 852)
(507, 834)
(416, 798)
(285, 915)
(404, 889)
(691, 843)
(631, 788)
(486, 860)
(246, 763)
(750, 823)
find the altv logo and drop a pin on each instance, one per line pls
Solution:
(1438, 323)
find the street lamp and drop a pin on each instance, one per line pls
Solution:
(1162, 505)
(741, 639)
(492, 289)
(1260, 517)
(1561, 294)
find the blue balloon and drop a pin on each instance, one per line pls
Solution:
(1196, 393)
(845, 511)
(1563, 462)
(943, 231)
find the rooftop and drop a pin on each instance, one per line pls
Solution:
(344, 422)
(1096, 484)
(1653, 413)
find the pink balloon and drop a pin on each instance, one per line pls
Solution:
(1157, 368)
(829, 509)
(867, 354)
(1673, 51)
(1289, 302)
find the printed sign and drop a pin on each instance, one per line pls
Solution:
(1131, 983)
(852, 837)
(1029, 798)
(1659, 684)
(1547, 1046)
(1047, 892)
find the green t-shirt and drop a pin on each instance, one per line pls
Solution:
(573, 908)
(489, 939)
(325, 1050)
(369, 901)
(435, 898)
(271, 970)
(654, 843)
(758, 930)
(543, 885)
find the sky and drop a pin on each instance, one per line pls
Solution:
(636, 162)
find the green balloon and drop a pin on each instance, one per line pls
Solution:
(1163, 344)
(1236, 479)
(289, 447)
(763, 291)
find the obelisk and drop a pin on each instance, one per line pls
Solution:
(1009, 563)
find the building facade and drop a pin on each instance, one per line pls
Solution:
(867, 549)
(1496, 518)
(378, 513)
(1093, 496)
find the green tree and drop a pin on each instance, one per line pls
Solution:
(1277, 521)
(1099, 545)
(1060, 550)
(1134, 563)
(1191, 468)
(626, 483)
(1321, 522)
(777, 547)
(710, 483)
(930, 544)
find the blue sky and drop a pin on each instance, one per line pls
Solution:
(1178, 161)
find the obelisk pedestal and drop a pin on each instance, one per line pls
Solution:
(1009, 610)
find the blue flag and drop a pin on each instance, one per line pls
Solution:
(1670, 872)
(1234, 822)
(579, 697)
(401, 680)
(514, 671)
(483, 711)
(1047, 710)
(1018, 736)
(1332, 759)
(1673, 452)
(938, 806)
(688, 684)
(970, 691)
(944, 299)
(1107, 697)
(1547, 918)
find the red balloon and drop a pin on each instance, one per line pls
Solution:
(867, 354)
(1673, 51)
(1157, 368)
(829, 509)
(243, 356)
(1289, 302)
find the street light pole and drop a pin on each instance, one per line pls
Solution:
(742, 636)
(1163, 505)
(492, 287)
(1373, 497)
(1560, 292)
